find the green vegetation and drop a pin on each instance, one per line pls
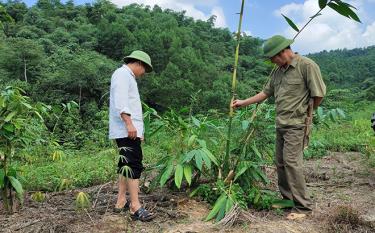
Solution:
(63, 55)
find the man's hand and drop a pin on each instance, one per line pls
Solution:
(238, 103)
(261, 96)
(132, 131)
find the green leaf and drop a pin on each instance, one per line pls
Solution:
(341, 113)
(290, 22)
(192, 140)
(206, 159)
(38, 115)
(262, 175)
(241, 171)
(10, 116)
(256, 151)
(322, 3)
(320, 113)
(245, 124)
(167, 173)
(17, 186)
(198, 160)
(221, 213)
(211, 156)
(28, 106)
(8, 127)
(196, 121)
(281, 203)
(229, 205)
(220, 202)
(188, 173)
(202, 143)
(344, 9)
(178, 175)
(189, 156)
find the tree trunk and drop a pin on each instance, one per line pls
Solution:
(79, 100)
(25, 68)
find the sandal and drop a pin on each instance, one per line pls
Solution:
(143, 215)
(123, 209)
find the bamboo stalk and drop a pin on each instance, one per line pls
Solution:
(234, 86)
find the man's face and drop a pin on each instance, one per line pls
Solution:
(140, 69)
(280, 59)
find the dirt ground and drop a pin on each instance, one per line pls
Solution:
(342, 187)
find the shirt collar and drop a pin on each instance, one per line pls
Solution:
(130, 71)
(292, 64)
(295, 60)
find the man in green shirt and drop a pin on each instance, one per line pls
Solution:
(295, 82)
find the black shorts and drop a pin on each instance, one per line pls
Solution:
(130, 157)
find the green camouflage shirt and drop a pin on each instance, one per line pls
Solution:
(292, 88)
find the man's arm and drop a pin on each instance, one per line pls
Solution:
(317, 101)
(132, 131)
(121, 103)
(260, 97)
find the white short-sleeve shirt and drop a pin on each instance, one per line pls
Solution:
(124, 98)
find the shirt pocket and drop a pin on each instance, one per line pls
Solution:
(294, 85)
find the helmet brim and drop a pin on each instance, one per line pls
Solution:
(148, 67)
(278, 49)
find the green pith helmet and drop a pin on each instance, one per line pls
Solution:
(141, 56)
(275, 44)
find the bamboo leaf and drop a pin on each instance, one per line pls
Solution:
(178, 175)
(322, 3)
(206, 159)
(281, 203)
(241, 171)
(221, 213)
(256, 151)
(344, 10)
(17, 186)
(229, 205)
(167, 173)
(192, 140)
(211, 156)
(196, 121)
(350, 12)
(198, 160)
(188, 173)
(220, 202)
(189, 156)
(291, 23)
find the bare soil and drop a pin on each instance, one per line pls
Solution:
(342, 187)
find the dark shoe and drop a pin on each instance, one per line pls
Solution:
(143, 215)
(123, 209)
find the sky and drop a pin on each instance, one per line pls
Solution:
(262, 18)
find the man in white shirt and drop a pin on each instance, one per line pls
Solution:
(126, 127)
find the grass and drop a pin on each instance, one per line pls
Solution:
(351, 134)
(77, 169)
